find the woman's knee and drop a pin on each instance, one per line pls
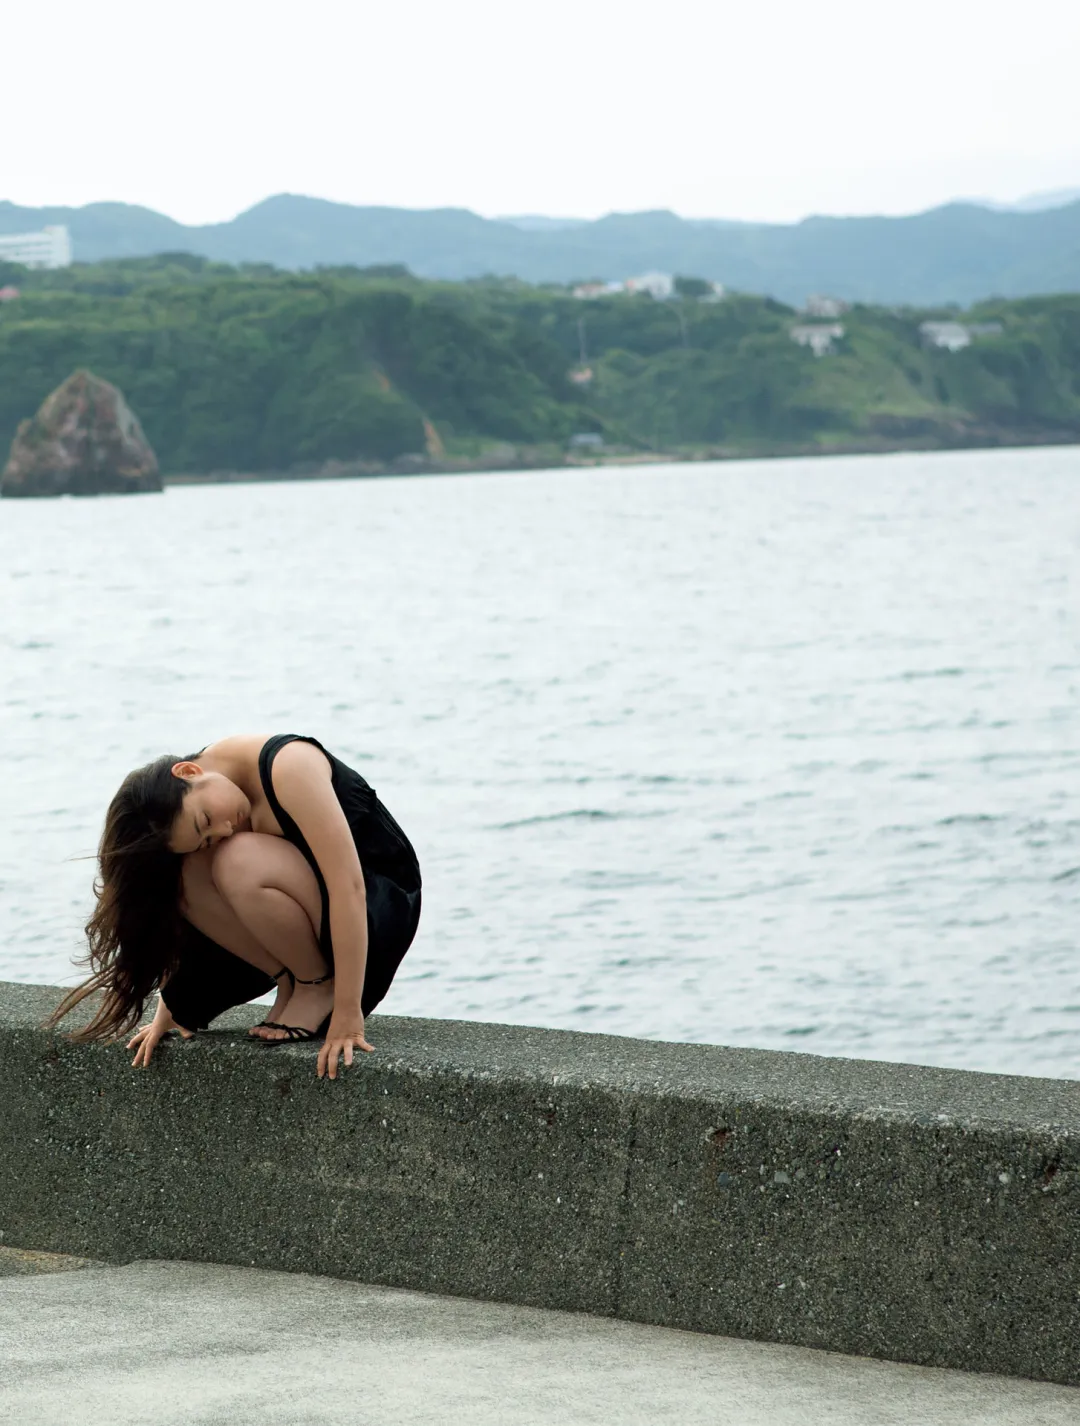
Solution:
(249, 861)
(240, 862)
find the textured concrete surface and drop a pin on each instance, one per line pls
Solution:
(923, 1215)
(23, 1262)
(210, 1346)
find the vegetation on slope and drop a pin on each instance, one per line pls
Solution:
(251, 368)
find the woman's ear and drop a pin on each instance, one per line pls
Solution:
(186, 770)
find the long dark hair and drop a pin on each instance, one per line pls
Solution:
(134, 932)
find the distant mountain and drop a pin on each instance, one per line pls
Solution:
(958, 253)
(537, 223)
(1036, 202)
(103, 229)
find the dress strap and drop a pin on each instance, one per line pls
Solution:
(267, 753)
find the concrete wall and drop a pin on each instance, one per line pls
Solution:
(925, 1215)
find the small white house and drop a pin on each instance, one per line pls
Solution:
(660, 285)
(817, 305)
(818, 336)
(948, 336)
(51, 247)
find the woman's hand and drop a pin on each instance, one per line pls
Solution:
(345, 1034)
(145, 1041)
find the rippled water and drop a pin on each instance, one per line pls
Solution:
(778, 754)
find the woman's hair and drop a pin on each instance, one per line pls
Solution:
(134, 933)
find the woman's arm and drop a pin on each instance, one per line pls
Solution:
(302, 781)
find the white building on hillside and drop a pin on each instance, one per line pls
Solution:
(819, 337)
(951, 336)
(660, 285)
(49, 248)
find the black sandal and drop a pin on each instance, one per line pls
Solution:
(283, 971)
(297, 1034)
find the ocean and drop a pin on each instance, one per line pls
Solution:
(778, 754)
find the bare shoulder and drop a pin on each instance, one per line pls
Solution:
(299, 762)
(242, 747)
(303, 780)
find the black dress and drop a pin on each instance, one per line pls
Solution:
(209, 979)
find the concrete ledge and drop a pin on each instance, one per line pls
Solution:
(923, 1215)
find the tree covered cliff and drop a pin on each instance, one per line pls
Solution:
(251, 368)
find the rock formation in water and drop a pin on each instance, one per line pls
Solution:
(85, 440)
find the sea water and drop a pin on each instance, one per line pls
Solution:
(779, 753)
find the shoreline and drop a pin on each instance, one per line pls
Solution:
(514, 460)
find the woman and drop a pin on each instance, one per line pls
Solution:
(256, 861)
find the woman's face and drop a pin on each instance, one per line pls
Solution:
(213, 808)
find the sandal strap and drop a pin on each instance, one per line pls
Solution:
(318, 979)
(292, 1032)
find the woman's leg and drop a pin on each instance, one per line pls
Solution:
(204, 906)
(271, 891)
(244, 893)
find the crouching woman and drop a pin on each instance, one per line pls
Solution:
(253, 863)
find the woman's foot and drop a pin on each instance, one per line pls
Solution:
(309, 1006)
(276, 1013)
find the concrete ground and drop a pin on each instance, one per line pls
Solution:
(188, 1343)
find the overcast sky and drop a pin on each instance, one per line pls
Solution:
(767, 109)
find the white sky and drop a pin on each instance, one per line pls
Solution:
(767, 109)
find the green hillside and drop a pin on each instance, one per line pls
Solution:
(255, 369)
